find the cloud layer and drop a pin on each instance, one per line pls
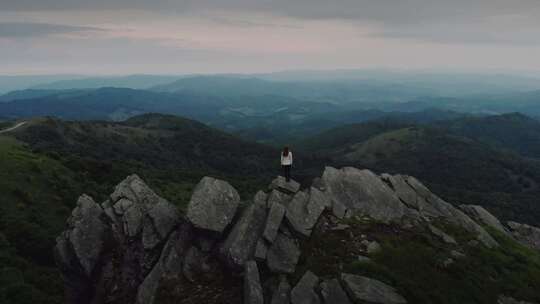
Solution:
(23, 30)
(251, 35)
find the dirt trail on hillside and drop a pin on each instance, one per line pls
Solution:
(13, 128)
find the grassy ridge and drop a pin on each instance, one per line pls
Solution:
(37, 195)
(413, 259)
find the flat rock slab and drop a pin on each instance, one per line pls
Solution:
(410, 196)
(283, 255)
(363, 193)
(239, 246)
(362, 289)
(282, 185)
(304, 210)
(333, 293)
(275, 217)
(213, 205)
(304, 292)
(483, 217)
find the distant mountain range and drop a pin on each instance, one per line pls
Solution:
(274, 112)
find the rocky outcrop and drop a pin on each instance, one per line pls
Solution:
(213, 205)
(482, 216)
(363, 289)
(432, 207)
(361, 192)
(109, 251)
(131, 246)
(525, 234)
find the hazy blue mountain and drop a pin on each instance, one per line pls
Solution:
(130, 81)
(110, 104)
(442, 83)
(351, 92)
(12, 83)
(31, 94)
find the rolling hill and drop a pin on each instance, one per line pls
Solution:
(513, 131)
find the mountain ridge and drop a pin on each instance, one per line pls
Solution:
(367, 211)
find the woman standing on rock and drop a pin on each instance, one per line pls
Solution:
(286, 163)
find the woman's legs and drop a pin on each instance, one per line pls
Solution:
(287, 172)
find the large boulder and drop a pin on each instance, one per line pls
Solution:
(525, 234)
(240, 244)
(482, 216)
(253, 293)
(304, 292)
(87, 233)
(279, 183)
(143, 211)
(213, 205)
(362, 192)
(333, 293)
(362, 289)
(275, 217)
(304, 210)
(283, 255)
(121, 240)
(80, 248)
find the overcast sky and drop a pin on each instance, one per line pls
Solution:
(203, 36)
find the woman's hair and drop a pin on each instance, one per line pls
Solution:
(285, 151)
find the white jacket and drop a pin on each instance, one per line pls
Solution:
(286, 160)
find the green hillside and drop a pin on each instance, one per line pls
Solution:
(38, 193)
(514, 131)
(48, 163)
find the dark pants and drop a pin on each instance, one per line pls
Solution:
(287, 172)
